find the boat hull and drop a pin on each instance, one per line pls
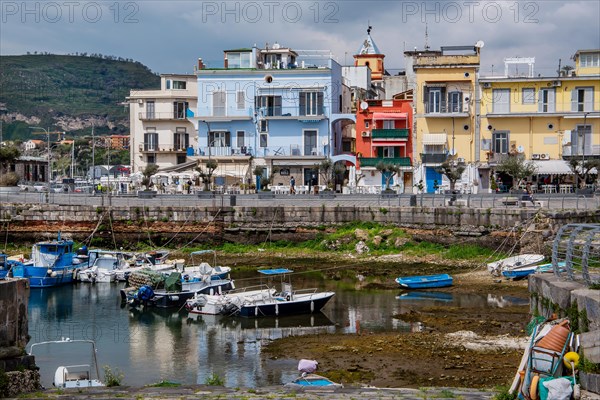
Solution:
(39, 277)
(425, 281)
(306, 305)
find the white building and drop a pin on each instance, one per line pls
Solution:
(160, 131)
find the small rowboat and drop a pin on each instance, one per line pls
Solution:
(522, 272)
(308, 381)
(522, 260)
(425, 281)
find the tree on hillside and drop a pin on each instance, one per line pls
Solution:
(452, 171)
(517, 167)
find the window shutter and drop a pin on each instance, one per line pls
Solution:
(574, 95)
(588, 99)
(277, 105)
(380, 152)
(302, 99)
(541, 101)
(320, 103)
(227, 139)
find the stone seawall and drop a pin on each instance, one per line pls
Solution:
(17, 371)
(254, 224)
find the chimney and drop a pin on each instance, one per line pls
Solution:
(226, 63)
(200, 64)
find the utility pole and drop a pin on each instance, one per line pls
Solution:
(93, 156)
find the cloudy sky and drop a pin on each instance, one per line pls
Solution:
(169, 36)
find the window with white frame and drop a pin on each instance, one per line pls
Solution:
(310, 142)
(500, 142)
(582, 99)
(389, 124)
(219, 139)
(150, 139)
(181, 139)
(455, 102)
(589, 60)
(366, 124)
(179, 84)
(528, 95)
(180, 109)
(239, 60)
(311, 103)
(547, 100)
(150, 107)
(269, 106)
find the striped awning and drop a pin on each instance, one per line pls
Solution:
(435, 138)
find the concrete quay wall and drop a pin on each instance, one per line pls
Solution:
(453, 218)
(552, 294)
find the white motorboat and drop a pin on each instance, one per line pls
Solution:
(74, 376)
(520, 261)
(227, 303)
(103, 266)
(200, 269)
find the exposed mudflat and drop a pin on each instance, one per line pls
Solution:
(458, 347)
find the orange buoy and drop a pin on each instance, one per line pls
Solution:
(555, 339)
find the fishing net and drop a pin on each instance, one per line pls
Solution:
(535, 321)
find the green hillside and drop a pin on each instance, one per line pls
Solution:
(56, 86)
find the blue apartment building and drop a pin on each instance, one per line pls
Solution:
(284, 110)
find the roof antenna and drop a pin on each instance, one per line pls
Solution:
(426, 38)
(558, 71)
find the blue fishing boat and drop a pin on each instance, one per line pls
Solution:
(51, 264)
(425, 281)
(522, 272)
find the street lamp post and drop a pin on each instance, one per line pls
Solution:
(207, 135)
(49, 174)
(583, 149)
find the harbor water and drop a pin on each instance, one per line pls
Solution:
(152, 345)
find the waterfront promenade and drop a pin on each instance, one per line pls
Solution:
(556, 201)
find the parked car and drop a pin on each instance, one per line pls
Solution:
(84, 189)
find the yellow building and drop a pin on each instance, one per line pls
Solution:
(544, 118)
(444, 83)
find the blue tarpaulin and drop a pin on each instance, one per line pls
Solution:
(278, 271)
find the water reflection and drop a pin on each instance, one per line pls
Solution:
(156, 344)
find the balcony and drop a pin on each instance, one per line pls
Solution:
(444, 109)
(569, 152)
(390, 133)
(161, 148)
(161, 116)
(373, 161)
(433, 158)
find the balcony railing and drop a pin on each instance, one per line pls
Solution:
(516, 107)
(161, 116)
(569, 151)
(433, 158)
(390, 133)
(266, 112)
(161, 148)
(373, 161)
(445, 108)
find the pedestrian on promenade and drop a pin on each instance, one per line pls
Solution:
(292, 185)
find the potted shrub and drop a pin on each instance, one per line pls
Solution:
(206, 172)
(8, 179)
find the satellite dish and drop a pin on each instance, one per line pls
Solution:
(364, 105)
(480, 44)
(520, 149)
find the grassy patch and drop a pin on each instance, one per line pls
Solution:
(165, 384)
